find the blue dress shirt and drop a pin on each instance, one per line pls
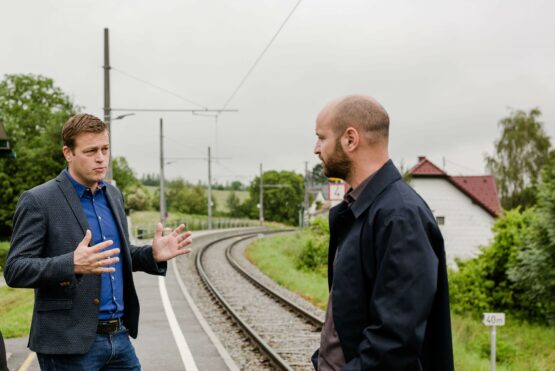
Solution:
(102, 225)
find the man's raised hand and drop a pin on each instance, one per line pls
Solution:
(92, 260)
(168, 247)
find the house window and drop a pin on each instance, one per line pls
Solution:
(440, 220)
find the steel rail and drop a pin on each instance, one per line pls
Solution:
(277, 296)
(273, 357)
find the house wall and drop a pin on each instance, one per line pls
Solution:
(467, 225)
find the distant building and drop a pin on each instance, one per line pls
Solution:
(465, 207)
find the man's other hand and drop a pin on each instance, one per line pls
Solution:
(168, 247)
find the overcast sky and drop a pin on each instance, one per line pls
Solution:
(446, 71)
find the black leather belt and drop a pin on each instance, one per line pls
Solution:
(109, 326)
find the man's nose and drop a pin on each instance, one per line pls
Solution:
(317, 148)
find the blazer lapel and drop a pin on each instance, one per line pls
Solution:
(117, 217)
(68, 190)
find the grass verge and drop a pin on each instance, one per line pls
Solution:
(520, 346)
(16, 309)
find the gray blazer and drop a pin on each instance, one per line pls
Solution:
(49, 223)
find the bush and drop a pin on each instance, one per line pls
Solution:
(313, 254)
(516, 272)
(138, 199)
(481, 284)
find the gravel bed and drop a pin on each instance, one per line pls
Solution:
(245, 355)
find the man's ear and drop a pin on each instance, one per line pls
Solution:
(67, 153)
(351, 139)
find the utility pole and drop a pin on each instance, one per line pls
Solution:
(107, 109)
(209, 189)
(261, 209)
(162, 192)
(305, 212)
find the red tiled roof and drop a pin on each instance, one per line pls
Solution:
(481, 189)
(425, 168)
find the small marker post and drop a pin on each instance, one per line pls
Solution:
(493, 320)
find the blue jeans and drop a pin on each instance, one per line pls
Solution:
(108, 352)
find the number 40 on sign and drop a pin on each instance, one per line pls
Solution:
(494, 319)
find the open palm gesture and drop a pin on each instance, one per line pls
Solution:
(168, 247)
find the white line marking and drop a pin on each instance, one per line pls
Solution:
(231, 365)
(184, 350)
(28, 361)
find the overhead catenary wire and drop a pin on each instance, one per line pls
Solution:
(462, 166)
(261, 55)
(158, 87)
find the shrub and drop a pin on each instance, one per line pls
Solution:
(481, 284)
(313, 254)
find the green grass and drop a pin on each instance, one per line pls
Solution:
(16, 308)
(276, 256)
(520, 345)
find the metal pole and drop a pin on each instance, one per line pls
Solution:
(107, 111)
(261, 209)
(162, 192)
(492, 355)
(209, 190)
(305, 211)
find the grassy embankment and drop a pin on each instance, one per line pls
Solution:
(520, 346)
(16, 305)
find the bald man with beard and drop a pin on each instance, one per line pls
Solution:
(388, 307)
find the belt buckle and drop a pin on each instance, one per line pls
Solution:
(108, 326)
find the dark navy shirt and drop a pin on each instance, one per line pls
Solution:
(103, 227)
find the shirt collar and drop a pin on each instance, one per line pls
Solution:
(353, 194)
(81, 189)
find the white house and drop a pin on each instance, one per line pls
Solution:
(465, 207)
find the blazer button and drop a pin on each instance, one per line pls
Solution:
(96, 301)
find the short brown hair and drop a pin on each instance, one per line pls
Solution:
(81, 123)
(364, 113)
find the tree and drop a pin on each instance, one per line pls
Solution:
(236, 186)
(150, 180)
(520, 154)
(186, 198)
(33, 111)
(234, 205)
(123, 174)
(534, 269)
(318, 176)
(283, 196)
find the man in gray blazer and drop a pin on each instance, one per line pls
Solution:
(70, 243)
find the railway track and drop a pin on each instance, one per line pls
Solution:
(285, 333)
